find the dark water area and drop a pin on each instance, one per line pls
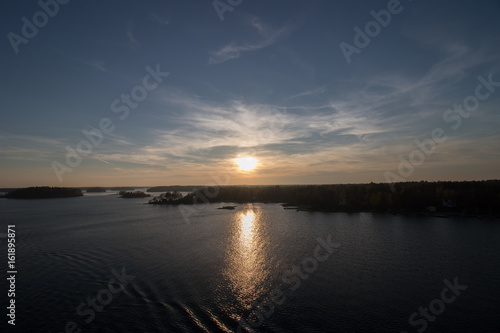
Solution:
(99, 263)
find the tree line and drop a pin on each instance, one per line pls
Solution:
(476, 197)
(44, 192)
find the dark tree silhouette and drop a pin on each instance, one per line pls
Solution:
(468, 197)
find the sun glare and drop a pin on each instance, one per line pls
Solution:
(246, 163)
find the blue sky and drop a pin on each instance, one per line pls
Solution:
(268, 81)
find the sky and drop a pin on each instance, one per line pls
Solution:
(144, 92)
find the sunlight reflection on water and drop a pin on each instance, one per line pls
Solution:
(246, 261)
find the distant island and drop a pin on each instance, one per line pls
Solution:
(430, 198)
(43, 192)
(179, 188)
(136, 194)
(168, 198)
(96, 189)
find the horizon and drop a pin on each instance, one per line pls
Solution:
(253, 93)
(296, 184)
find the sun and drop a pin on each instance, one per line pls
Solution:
(246, 163)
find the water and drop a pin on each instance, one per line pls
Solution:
(206, 275)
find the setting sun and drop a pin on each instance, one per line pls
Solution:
(246, 163)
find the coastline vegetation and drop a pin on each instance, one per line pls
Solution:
(172, 188)
(464, 197)
(439, 198)
(130, 195)
(44, 192)
(168, 198)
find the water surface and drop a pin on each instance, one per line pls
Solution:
(207, 275)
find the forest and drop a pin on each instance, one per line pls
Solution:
(466, 197)
(43, 192)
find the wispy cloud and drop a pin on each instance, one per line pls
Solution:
(312, 92)
(375, 119)
(32, 139)
(97, 65)
(267, 37)
(28, 147)
(102, 160)
(206, 132)
(158, 19)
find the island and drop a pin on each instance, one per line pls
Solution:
(130, 195)
(44, 192)
(173, 188)
(168, 198)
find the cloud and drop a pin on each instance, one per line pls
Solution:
(312, 92)
(97, 65)
(359, 126)
(267, 37)
(158, 19)
(205, 133)
(31, 148)
(100, 159)
(31, 139)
